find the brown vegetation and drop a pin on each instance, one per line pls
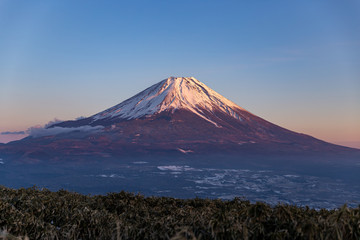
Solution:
(42, 214)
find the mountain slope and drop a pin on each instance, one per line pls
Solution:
(179, 109)
(175, 115)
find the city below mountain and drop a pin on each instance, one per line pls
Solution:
(179, 115)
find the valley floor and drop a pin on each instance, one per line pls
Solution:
(315, 182)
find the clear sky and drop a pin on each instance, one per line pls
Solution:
(294, 63)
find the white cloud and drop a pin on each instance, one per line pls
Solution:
(13, 133)
(41, 131)
(79, 118)
(55, 121)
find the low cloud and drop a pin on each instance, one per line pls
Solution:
(55, 121)
(80, 118)
(13, 133)
(46, 130)
(43, 131)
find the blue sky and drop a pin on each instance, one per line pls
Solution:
(294, 63)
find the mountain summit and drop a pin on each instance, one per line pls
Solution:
(170, 96)
(177, 115)
(174, 93)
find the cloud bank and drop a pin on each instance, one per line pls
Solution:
(46, 130)
(13, 133)
(43, 131)
(55, 121)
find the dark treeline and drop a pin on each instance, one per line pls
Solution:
(42, 214)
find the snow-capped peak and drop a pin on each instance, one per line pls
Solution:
(169, 95)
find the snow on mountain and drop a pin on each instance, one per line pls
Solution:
(169, 95)
(178, 115)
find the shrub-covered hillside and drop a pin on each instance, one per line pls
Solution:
(42, 214)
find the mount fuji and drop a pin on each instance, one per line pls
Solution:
(179, 138)
(179, 115)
